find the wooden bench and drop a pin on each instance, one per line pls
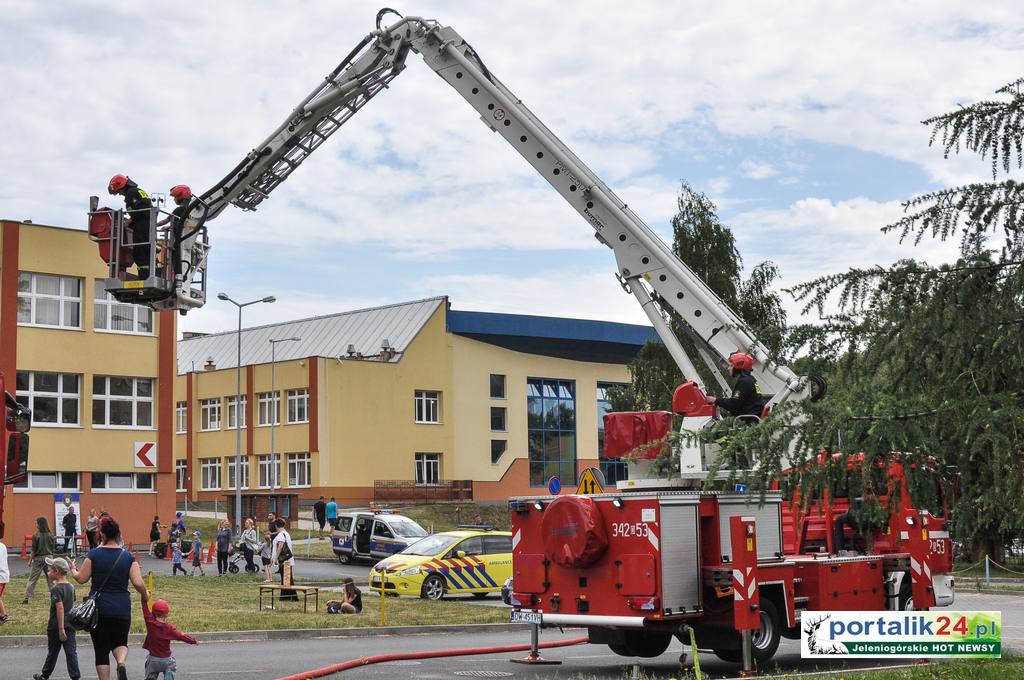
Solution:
(305, 591)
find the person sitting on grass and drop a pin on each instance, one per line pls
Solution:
(58, 635)
(159, 635)
(352, 597)
(197, 554)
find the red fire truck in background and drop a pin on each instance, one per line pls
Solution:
(17, 421)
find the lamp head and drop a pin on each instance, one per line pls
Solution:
(269, 298)
(222, 296)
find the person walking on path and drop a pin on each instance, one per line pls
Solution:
(91, 526)
(250, 544)
(320, 515)
(223, 547)
(197, 553)
(332, 513)
(70, 524)
(159, 635)
(58, 635)
(176, 560)
(5, 578)
(284, 554)
(111, 568)
(43, 545)
(154, 534)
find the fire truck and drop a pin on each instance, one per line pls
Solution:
(17, 422)
(640, 565)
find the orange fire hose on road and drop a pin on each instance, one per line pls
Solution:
(407, 656)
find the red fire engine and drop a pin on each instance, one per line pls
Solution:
(18, 420)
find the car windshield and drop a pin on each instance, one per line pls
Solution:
(431, 545)
(407, 529)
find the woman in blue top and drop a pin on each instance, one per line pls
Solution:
(111, 568)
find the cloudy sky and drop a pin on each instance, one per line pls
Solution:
(801, 120)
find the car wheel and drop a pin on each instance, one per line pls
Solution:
(344, 558)
(433, 588)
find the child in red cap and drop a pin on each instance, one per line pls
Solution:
(159, 635)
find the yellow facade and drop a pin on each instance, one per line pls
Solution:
(82, 447)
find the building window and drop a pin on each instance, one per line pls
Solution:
(498, 448)
(49, 481)
(269, 405)
(269, 471)
(298, 469)
(122, 402)
(551, 429)
(117, 317)
(49, 300)
(209, 415)
(614, 469)
(428, 406)
(231, 472)
(181, 417)
(428, 468)
(53, 397)
(232, 409)
(180, 475)
(298, 406)
(498, 419)
(210, 473)
(497, 386)
(122, 481)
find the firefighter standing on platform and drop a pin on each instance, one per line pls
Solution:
(746, 397)
(182, 196)
(140, 217)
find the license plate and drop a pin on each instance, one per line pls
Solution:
(517, 616)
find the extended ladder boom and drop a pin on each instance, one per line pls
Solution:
(648, 269)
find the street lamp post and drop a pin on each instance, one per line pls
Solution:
(238, 407)
(275, 410)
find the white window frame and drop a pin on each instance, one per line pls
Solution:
(209, 474)
(231, 472)
(27, 396)
(62, 298)
(104, 306)
(427, 407)
(263, 401)
(133, 478)
(300, 469)
(34, 483)
(428, 465)
(181, 475)
(265, 467)
(134, 398)
(181, 418)
(298, 405)
(209, 415)
(230, 408)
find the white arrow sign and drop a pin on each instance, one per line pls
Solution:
(145, 454)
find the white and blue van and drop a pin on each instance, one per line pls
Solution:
(373, 535)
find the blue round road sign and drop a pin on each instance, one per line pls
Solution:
(554, 486)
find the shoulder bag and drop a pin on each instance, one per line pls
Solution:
(85, 615)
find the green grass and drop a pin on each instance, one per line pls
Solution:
(965, 570)
(213, 603)
(442, 517)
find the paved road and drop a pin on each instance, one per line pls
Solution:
(267, 660)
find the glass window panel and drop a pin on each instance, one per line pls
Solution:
(549, 389)
(145, 387)
(122, 387)
(44, 480)
(72, 287)
(532, 388)
(550, 414)
(472, 546)
(23, 400)
(537, 473)
(45, 382)
(566, 415)
(119, 481)
(71, 314)
(99, 385)
(497, 419)
(24, 282)
(121, 317)
(44, 409)
(565, 390)
(98, 290)
(534, 414)
(69, 411)
(497, 386)
(24, 310)
(21, 382)
(120, 413)
(145, 320)
(47, 285)
(143, 481)
(498, 448)
(99, 416)
(69, 381)
(47, 311)
(145, 414)
(567, 447)
(69, 480)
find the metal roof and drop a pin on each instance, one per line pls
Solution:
(325, 336)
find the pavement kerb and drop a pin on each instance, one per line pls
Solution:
(300, 633)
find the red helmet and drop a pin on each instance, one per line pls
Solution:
(161, 607)
(181, 192)
(741, 361)
(117, 182)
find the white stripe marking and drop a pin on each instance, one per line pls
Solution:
(654, 540)
(516, 538)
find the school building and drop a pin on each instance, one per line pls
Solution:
(402, 403)
(98, 377)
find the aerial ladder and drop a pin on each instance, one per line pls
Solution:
(664, 286)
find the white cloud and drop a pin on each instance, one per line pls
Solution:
(757, 170)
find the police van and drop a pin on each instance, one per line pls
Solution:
(373, 535)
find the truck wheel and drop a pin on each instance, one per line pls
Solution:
(433, 588)
(344, 558)
(645, 644)
(765, 640)
(906, 598)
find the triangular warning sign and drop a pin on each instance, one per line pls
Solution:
(590, 482)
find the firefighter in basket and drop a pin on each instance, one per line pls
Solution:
(746, 397)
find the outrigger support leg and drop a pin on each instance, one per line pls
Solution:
(534, 657)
